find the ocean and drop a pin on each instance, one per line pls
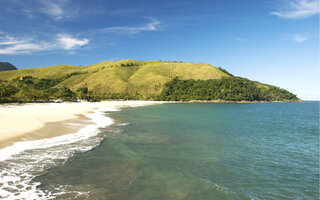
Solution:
(178, 151)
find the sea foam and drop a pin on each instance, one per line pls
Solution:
(23, 161)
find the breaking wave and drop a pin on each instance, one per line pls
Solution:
(25, 160)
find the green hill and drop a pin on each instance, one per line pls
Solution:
(129, 79)
(5, 66)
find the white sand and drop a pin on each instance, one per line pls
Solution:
(17, 120)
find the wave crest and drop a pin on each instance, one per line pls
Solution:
(23, 161)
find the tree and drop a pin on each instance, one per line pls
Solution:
(65, 93)
(82, 93)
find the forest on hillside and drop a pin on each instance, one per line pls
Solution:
(31, 89)
(5, 66)
(228, 88)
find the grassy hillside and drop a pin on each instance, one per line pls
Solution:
(136, 80)
(127, 76)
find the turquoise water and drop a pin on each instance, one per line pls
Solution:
(198, 151)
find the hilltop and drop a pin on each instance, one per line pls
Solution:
(5, 66)
(132, 79)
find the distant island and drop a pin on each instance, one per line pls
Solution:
(132, 79)
(5, 66)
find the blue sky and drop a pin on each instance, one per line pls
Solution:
(271, 41)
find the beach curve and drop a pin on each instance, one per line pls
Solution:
(24, 160)
(18, 120)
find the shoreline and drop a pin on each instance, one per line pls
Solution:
(34, 121)
(225, 101)
(31, 121)
(156, 101)
(49, 130)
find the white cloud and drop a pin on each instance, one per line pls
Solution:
(11, 46)
(151, 26)
(23, 48)
(21, 45)
(53, 9)
(298, 37)
(7, 40)
(59, 9)
(68, 42)
(299, 9)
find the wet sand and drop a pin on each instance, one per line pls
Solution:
(49, 129)
(24, 122)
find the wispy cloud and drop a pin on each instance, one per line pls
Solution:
(240, 39)
(151, 26)
(52, 8)
(298, 9)
(67, 42)
(8, 40)
(60, 9)
(298, 37)
(25, 45)
(11, 46)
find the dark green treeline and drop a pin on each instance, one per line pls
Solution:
(30, 89)
(228, 89)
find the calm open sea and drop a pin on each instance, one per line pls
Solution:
(192, 151)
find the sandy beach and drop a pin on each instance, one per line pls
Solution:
(41, 120)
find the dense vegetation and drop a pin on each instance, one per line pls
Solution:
(31, 89)
(131, 79)
(229, 89)
(5, 66)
